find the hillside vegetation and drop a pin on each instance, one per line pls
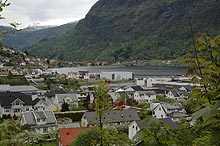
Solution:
(31, 35)
(119, 30)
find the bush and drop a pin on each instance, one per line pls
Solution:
(88, 137)
(74, 116)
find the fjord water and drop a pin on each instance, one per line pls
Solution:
(138, 71)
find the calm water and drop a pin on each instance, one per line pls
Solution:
(138, 71)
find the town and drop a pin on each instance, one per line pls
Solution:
(50, 102)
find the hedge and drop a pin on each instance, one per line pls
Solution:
(76, 116)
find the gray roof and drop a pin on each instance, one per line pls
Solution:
(23, 88)
(178, 115)
(31, 117)
(147, 92)
(172, 106)
(4, 88)
(137, 88)
(7, 98)
(70, 125)
(113, 116)
(168, 121)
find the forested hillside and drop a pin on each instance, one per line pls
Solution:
(32, 35)
(134, 29)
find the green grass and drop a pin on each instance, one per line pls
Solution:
(53, 143)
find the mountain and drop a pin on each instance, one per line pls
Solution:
(134, 29)
(33, 34)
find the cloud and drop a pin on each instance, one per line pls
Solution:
(46, 12)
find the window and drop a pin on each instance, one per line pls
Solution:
(44, 130)
(16, 110)
(161, 116)
(7, 110)
(17, 102)
(159, 109)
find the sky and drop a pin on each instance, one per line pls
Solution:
(45, 12)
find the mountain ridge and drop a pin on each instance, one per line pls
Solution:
(134, 29)
(33, 34)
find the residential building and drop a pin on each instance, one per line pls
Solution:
(168, 110)
(112, 116)
(41, 122)
(145, 96)
(177, 94)
(136, 126)
(13, 103)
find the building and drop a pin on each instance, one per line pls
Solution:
(13, 103)
(117, 75)
(168, 110)
(41, 122)
(145, 96)
(112, 116)
(136, 126)
(177, 94)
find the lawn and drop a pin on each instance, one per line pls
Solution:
(52, 143)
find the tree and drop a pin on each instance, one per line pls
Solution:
(156, 133)
(4, 4)
(88, 137)
(11, 134)
(101, 104)
(206, 65)
(65, 107)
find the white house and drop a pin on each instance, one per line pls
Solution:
(168, 110)
(66, 98)
(40, 121)
(13, 103)
(177, 94)
(145, 96)
(136, 126)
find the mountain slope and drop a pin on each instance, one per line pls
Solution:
(134, 29)
(31, 35)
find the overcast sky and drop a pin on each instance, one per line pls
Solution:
(45, 12)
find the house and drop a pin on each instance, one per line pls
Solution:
(40, 104)
(67, 135)
(112, 116)
(136, 126)
(66, 98)
(41, 122)
(177, 94)
(131, 90)
(145, 96)
(168, 110)
(13, 103)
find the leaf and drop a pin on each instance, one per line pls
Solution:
(205, 113)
